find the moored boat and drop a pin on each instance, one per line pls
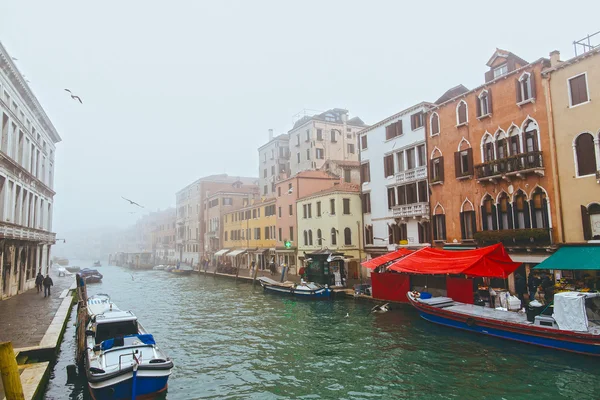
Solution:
(122, 360)
(97, 263)
(568, 329)
(304, 289)
(73, 269)
(178, 271)
(159, 267)
(90, 275)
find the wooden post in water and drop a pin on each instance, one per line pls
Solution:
(11, 379)
(254, 275)
(81, 320)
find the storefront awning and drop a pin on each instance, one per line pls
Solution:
(573, 258)
(221, 252)
(236, 252)
(386, 258)
(492, 261)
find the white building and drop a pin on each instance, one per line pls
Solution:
(326, 136)
(274, 163)
(395, 190)
(27, 149)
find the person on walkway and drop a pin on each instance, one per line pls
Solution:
(302, 271)
(520, 288)
(38, 281)
(47, 283)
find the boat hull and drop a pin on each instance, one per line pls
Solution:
(322, 293)
(180, 271)
(551, 338)
(122, 388)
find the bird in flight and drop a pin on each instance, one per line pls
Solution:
(74, 97)
(15, 58)
(133, 203)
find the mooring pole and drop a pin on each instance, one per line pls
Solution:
(11, 379)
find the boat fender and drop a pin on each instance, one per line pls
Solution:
(416, 294)
(470, 322)
(157, 361)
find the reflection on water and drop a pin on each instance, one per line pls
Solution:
(230, 341)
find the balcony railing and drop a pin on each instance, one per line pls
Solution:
(411, 175)
(514, 165)
(11, 231)
(411, 210)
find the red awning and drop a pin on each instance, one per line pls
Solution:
(492, 261)
(386, 258)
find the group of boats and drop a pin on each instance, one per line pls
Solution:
(173, 269)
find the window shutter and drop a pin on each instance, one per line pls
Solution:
(470, 160)
(489, 101)
(582, 84)
(478, 108)
(398, 128)
(484, 223)
(443, 236)
(586, 223)
(510, 64)
(532, 95)
(527, 212)
(391, 198)
(509, 211)
(412, 122)
(494, 218)
(462, 225)
(441, 168)
(518, 90)
(545, 216)
(473, 222)
(489, 76)
(457, 164)
(388, 131)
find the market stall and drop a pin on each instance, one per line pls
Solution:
(574, 268)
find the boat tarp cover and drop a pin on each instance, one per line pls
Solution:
(145, 338)
(492, 261)
(386, 258)
(569, 311)
(573, 258)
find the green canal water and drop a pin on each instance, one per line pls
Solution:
(230, 341)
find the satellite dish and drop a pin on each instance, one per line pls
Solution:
(511, 189)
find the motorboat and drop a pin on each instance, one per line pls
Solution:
(90, 275)
(73, 268)
(159, 267)
(97, 263)
(178, 271)
(122, 359)
(574, 325)
(304, 289)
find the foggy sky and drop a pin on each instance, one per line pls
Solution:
(175, 90)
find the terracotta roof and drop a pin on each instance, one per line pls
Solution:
(342, 187)
(451, 93)
(313, 174)
(243, 190)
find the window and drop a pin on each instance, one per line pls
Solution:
(291, 233)
(539, 209)
(272, 170)
(333, 138)
(590, 218)
(319, 238)
(501, 70)
(256, 233)
(225, 235)
(423, 191)
(227, 201)
(369, 234)
(347, 175)
(267, 232)
(309, 210)
(320, 154)
(351, 148)
(416, 121)
(265, 189)
(308, 154)
(421, 156)
(489, 222)
(346, 203)
(305, 238)
(348, 237)
(400, 161)
(464, 163)
(505, 217)
(467, 224)
(366, 203)
(461, 113)
(298, 157)
(388, 165)
(365, 173)
(393, 130)
(521, 211)
(291, 209)
(484, 104)
(310, 238)
(264, 173)
(411, 193)
(434, 124)
(401, 195)
(307, 135)
(391, 193)
(437, 169)
(305, 211)
(279, 234)
(279, 191)
(410, 159)
(298, 140)
(332, 206)
(279, 212)
(319, 134)
(585, 155)
(525, 88)
(363, 142)
(578, 91)
(318, 208)
(488, 148)
(333, 237)
(501, 147)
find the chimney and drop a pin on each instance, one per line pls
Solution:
(554, 58)
(270, 134)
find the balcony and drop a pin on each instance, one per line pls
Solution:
(519, 165)
(12, 231)
(414, 174)
(411, 210)
(520, 238)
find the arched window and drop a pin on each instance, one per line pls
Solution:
(521, 211)
(483, 104)
(501, 145)
(333, 237)
(439, 223)
(436, 166)
(532, 146)
(525, 88)
(539, 209)
(489, 219)
(319, 238)
(585, 154)
(461, 113)
(347, 237)
(590, 217)
(310, 241)
(434, 124)
(504, 208)
(487, 148)
(514, 140)
(305, 238)
(468, 224)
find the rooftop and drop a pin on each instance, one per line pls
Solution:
(452, 93)
(339, 188)
(334, 115)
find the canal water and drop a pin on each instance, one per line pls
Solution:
(230, 341)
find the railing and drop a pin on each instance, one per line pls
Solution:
(11, 231)
(411, 210)
(411, 175)
(510, 165)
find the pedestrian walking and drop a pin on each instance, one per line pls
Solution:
(47, 283)
(39, 279)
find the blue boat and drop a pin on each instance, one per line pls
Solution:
(122, 360)
(307, 290)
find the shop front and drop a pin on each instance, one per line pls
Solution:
(573, 268)
(326, 267)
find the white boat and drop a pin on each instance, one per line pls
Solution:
(159, 267)
(122, 360)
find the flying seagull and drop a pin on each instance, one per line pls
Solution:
(73, 96)
(133, 203)
(15, 58)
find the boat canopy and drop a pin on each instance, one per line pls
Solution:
(570, 311)
(221, 252)
(573, 258)
(144, 338)
(386, 258)
(492, 261)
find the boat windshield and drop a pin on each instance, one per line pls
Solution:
(115, 329)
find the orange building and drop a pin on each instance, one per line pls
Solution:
(491, 171)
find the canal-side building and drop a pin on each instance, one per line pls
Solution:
(330, 220)
(287, 193)
(395, 192)
(163, 237)
(27, 151)
(571, 86)
(249, 235)
(330, 135)
(490, 163)
(216, 206)
(274, 163)
(190, 213)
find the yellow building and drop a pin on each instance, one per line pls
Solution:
(331, 220)
(249, 235)
(574, 90)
